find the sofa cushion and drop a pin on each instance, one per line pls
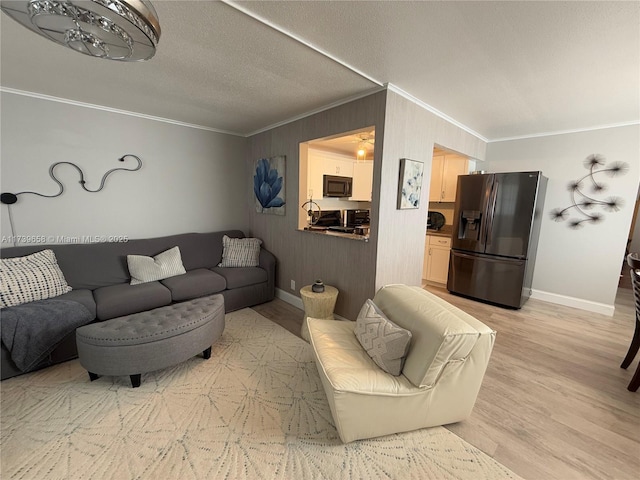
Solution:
(242, 276)
(83, 296)
(385, 342)
(441, 332)
(193, 284)
(240, 252)
(124, 299)
(145, 269)
(33, 277)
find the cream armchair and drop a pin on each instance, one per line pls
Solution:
(440, 380)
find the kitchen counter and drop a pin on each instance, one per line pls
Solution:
(445, 231)
(330, 233)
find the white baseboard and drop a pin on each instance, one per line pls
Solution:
(588, 305)
(573, 302)
(297, 302)
(290, 299)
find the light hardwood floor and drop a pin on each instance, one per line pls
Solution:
(554, 402)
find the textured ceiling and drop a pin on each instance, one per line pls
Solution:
(501, 69)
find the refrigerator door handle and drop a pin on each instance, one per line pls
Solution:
(488, 259)
(492, 211)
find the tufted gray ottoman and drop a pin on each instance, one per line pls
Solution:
(151, 340)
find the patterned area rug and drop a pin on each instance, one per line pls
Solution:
(255, 410)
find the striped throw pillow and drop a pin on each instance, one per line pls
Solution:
(240, 252)
(149, 269)
(33, 277)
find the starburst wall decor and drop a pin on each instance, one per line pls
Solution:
(583, 206)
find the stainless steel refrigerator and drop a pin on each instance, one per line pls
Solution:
(495, 236)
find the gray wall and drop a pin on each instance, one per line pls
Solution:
(192, 180)
(395, 251)
(581, 267)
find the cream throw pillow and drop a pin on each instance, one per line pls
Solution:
(33, 277)
(386, 343)
(147, 269)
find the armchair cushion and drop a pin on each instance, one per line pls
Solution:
(347, 365)
(441, 332)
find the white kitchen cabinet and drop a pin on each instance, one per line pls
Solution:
(425, 264)
(436, 259)
(435, 185)
(362, 181)
(325, 163)
(445, 170)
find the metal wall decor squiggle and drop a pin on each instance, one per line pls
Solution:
(11, 198)
(583, 205)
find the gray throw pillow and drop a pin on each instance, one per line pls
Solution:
(34, 277)
(385, 342)
(240, 252)
(149, 269)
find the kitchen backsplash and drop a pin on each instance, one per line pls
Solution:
(328, 203)
(445, 209)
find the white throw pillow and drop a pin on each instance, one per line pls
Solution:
(240, 252)
(30, 278)
(147, 269)
(386, 343)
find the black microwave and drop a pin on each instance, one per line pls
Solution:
(335, 186)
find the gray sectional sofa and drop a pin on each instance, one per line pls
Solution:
(99, 276)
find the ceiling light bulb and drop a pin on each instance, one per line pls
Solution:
(361, 152)
(115, 29)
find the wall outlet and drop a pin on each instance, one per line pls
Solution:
(293, 285)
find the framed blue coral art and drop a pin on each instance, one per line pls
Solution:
(268, 185)
(410, 183)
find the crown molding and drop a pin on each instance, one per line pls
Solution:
(352, 98)
(75, 103)
(566, 132)
(435, 111)
(318, 110)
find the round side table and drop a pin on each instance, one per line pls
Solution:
(317, 305)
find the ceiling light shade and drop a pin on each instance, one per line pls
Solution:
(114, 29)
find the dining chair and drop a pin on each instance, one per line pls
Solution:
(634, 262)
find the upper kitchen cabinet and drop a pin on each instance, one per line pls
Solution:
(445, 170)
(322, 163)
(362, 181)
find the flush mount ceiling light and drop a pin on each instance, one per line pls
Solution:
(115, 29)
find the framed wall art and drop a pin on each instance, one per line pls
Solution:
(269, 186)
(410, 183)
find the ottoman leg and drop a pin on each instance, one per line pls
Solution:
(135, 380)
(93, 376)
(207, 353)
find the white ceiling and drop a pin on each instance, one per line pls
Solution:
(500, 69)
